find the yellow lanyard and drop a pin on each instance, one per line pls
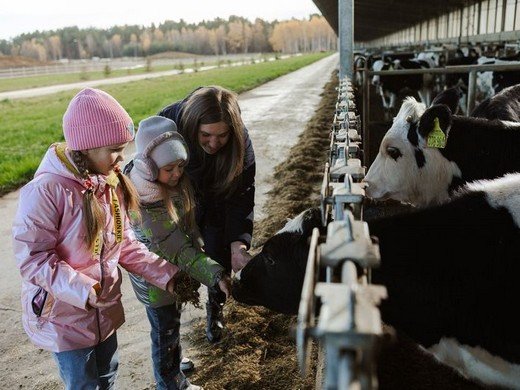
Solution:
(112, 180)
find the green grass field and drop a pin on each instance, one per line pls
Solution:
(29, 126)
(17, 83)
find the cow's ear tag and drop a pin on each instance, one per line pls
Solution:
(436, 138)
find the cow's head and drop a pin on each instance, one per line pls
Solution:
(406, 168)
(274, 277)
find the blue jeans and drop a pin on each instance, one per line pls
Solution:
(89, 368)
(165, 325)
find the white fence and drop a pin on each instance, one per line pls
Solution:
(84, 66)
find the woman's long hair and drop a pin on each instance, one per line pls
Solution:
(187, 196)
(214, 104)
(92, 210)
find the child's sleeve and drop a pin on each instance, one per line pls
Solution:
(170, 242)
(138, 259)
(35, 237)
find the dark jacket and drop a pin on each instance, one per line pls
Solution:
(222, 219)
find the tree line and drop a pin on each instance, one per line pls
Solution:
(215, 37)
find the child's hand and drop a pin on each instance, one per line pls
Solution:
(95, 302)
(225, 285)
(170, 287)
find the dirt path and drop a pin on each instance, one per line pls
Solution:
(275, 114)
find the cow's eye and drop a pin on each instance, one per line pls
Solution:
(394, 153)
(269, 260)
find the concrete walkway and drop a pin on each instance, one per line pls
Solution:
(275, 114)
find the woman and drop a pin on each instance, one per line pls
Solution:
(222, 171)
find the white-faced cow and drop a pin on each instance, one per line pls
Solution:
(451, 272)
(407, 169)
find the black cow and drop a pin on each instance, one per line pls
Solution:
(408, 169)
(504, 106)
(460, 80)
(450, 271)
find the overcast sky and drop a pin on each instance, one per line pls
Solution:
(21, 16)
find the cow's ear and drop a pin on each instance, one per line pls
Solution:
(439, 113)
(449, 97)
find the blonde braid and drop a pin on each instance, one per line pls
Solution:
(94, 216)
(131, 196)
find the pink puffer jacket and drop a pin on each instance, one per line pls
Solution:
(57, 268)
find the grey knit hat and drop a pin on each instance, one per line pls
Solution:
(157, 138)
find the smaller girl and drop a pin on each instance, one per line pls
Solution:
(70, 234)
(168, 228)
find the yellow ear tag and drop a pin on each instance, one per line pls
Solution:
(436, 139)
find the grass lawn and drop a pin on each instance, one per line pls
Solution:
(29, 126)
(17, 83)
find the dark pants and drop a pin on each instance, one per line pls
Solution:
(165, 324)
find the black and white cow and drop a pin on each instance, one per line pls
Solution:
(451, 272)
(407, 170)
(389, 87)
(489, 83)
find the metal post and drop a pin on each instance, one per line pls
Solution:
(471, 90)
(366, 116)
(346, 37)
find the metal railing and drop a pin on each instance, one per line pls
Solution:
(348, 326)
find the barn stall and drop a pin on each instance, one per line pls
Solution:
(346, 345)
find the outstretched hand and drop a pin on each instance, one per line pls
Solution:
(170, 287)
(239, 256)
(225, 285)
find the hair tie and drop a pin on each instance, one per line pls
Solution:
(88, 184)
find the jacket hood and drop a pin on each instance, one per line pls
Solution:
(53, 164)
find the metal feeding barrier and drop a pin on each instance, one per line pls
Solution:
(348, 325)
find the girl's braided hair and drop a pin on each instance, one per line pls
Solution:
(94, 215)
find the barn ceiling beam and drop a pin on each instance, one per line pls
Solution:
(377, 18)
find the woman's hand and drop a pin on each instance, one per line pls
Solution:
(239, 255)
(225, 285)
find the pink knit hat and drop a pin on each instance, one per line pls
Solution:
(95, 119)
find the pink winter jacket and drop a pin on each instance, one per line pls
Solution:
(50, 250)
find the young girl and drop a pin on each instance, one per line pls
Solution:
(222, 170)
(168, 228)
(70, 234)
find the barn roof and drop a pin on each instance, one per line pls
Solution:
(376, 18)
